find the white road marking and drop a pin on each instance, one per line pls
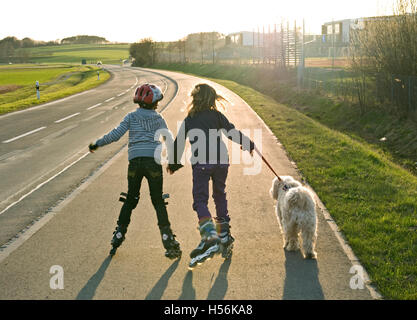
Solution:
(110, 99)
(166, 86)
(95, 106)
(120, 94)
(66, 118)
(15, 244)
(26, 234)
(43, 183)
(24, 135)
(93, 116)
(67, 167)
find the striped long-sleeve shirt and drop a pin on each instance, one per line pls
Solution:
(145, 130)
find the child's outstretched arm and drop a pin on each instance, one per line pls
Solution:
(112, 136)
(244, 141)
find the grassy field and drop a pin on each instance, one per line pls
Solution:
(373, 200)
(107, 54)
(17, 83)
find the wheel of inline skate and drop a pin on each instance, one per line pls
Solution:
(227, 253)
(113, 251)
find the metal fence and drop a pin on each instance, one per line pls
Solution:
(320, 64)
(278, 44)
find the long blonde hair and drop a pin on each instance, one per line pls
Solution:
(204, 98)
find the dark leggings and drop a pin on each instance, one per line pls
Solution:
(138, 168)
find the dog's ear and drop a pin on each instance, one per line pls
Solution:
(274, 189)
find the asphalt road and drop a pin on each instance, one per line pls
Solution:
(39, 143)
(75, 233)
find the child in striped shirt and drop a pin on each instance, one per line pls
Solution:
(143, 125)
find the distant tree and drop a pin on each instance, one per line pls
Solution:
(387, 47)
(12, 41)
(203, 44)
(27, 43)
(51, 43)
(84, 39)
(143, 52)
(7, 48)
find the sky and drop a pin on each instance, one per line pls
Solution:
(169, 20)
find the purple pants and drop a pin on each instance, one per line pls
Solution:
(202, 173)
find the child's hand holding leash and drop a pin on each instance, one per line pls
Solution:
(92, 147)
(250, 151)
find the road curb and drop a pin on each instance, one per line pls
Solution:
(354, 260)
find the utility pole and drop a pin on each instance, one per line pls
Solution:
(301, 65)
(295, 43)
(333, 42)
(282, 46)
(275, 44)
(253, 46)
(263, 44)
(259, 45)
(269, 44)
(288, 43)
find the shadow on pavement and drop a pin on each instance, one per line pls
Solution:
(158, 289)
(301, 281)
(219, 288)
(89, 290)
(188, 291)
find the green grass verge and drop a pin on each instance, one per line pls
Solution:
(373, 200)
(28, 74)
(56, 82)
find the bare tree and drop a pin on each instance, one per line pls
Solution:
(386, 47)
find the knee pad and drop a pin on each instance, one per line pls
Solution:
(159, 200)
(164, 197)
(129, 200)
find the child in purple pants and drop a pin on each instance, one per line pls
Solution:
(210, 161)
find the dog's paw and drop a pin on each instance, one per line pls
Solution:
(292, 246)
(310, 256)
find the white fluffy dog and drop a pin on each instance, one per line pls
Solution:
(296, 212)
